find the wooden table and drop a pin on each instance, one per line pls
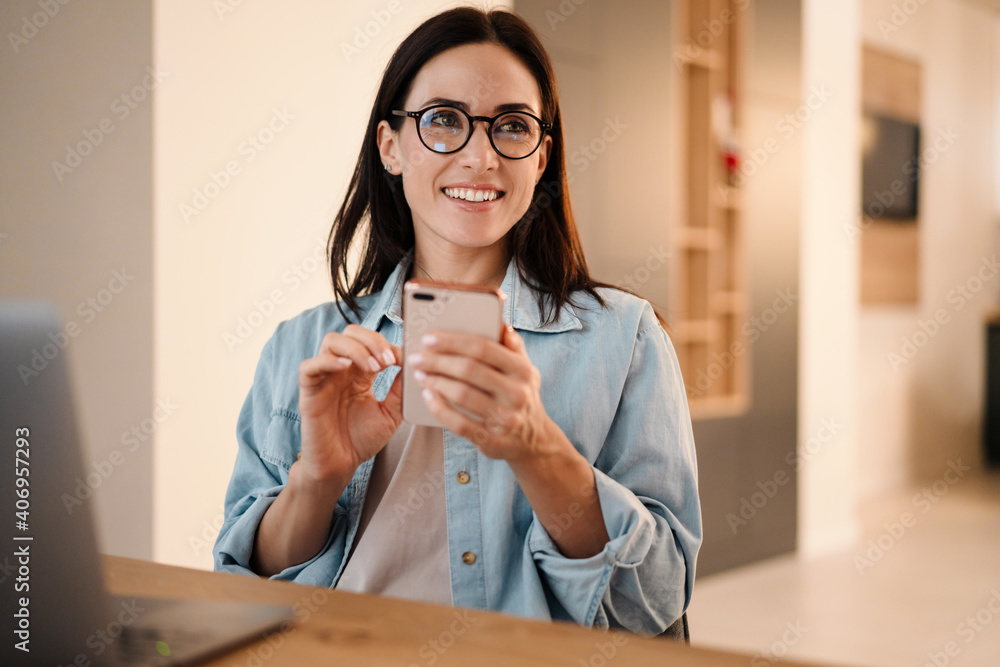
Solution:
(339, 628)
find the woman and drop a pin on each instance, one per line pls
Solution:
(564, 482)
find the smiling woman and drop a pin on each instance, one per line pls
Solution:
(563, 484)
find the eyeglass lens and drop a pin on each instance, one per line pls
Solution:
(445, 129)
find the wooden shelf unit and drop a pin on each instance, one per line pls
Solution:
(708, 291)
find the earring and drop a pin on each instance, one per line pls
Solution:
(388, 168)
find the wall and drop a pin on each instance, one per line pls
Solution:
(298, 78)
(828, 329)
(996, 121)
(922, 407)
(70, 225)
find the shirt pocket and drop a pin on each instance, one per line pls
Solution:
(283, 440)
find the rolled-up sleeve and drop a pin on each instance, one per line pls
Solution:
(646, 477)
(254, 484)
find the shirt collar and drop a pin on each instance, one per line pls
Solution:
(520, 306)
(390, 300)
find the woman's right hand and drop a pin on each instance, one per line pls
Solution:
(343, 424)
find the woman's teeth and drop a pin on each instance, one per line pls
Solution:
(471, 195)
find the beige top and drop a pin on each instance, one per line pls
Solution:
(401, 549)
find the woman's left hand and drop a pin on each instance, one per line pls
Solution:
(494, 382)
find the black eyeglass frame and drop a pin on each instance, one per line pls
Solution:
(416, 115)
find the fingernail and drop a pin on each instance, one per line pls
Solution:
(344, 361)
(428, 396)
(373, 364)
(429, 339)
(420, 376)
(416, 359)
(389, 357)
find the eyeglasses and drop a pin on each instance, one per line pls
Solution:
(513, 134)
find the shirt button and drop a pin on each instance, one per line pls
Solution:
(463, 477)
(468, 558)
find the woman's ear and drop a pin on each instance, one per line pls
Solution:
(543, 157)
(388, 147)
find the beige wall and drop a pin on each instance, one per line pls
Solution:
(829, 274)
(278, 71)
(66, 227)
(996, 121)
(918, 415)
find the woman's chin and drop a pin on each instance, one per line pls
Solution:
(473, 242)
(472, 233)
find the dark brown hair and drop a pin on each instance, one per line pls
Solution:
(544, 242)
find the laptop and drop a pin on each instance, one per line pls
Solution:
(52, 597)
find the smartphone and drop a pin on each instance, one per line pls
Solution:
(432, 306)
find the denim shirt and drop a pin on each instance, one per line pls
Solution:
(609, 379)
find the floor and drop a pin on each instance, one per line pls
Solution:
(922, 589)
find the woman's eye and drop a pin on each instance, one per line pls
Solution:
(512, 126)
(444, 119)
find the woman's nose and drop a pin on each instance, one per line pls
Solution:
(479, 151)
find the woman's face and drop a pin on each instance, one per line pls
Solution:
(478, 78)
